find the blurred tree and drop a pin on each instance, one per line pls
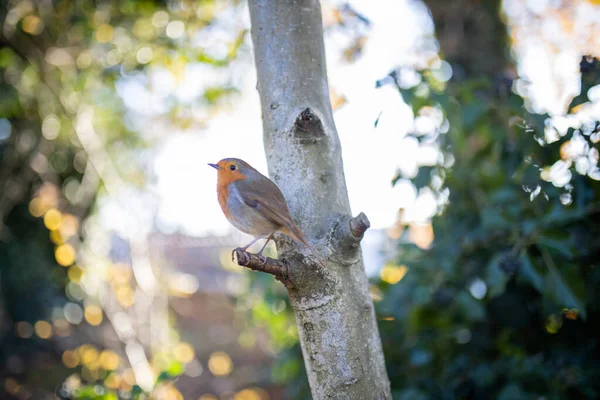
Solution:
(471, 36)
(502, 302)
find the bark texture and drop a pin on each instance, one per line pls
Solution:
(333, 308)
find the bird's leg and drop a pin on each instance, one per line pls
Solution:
(265, 245)
(246, 246)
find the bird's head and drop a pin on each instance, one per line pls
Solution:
(231, 170)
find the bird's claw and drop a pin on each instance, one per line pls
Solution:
(263, 259)
(242, 249)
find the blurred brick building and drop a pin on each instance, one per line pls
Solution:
(208, 318)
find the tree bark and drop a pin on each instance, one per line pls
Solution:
(333, 308)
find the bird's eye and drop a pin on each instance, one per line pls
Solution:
(232, 167)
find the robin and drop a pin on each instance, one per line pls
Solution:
(254, 204)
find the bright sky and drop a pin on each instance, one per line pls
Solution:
(548, 41)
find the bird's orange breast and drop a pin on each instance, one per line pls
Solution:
(223, 195)
(224, 179)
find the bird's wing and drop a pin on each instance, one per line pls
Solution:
(267, 199)
(270, 203)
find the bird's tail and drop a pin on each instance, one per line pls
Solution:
(295, 233)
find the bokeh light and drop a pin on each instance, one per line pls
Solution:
(24, 329)
(93, 314)
(43, 329)
(393, 274)
(12, 386)
(70, 359)
(52, 219)
(253, 393)
(125, 296)
(37, 207)
(113, 381)
(553, 323)
(65, 255)
(220, 364)
(62, 327)
(33, 24)
(75, 273)
(109, 360)
(421, 234)
(73, 313)
(184, 352)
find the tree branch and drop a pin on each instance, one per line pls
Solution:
(277, 268)
(345, 237)
(359, 225)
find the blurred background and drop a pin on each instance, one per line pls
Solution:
(470, 135)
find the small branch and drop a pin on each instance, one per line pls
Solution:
(359, 225)
(345, 238)
(277, 268)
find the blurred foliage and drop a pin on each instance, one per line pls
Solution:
(502, 304)
(68, 137)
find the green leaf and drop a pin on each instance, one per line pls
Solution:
(95, 392)
(484, 374)
(175, 369)
(136, 390)
(6, 57)
(423, 177)
(407, 95)
(559, 246)
(420, 357)
(529, 273)
(472, 113)
(562, 293)
(470, 307)
(204, 58)
(495, 278)
(234, 47)
(512, 391)
(214, 94)
(411, 394)
(492, 218)
(163, 376)
(562, 215)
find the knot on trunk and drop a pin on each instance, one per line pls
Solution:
(308, 127)
(345, 238)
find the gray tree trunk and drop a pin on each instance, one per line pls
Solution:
(333, 308)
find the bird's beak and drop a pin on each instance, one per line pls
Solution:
(215, 166)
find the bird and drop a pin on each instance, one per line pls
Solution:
(254, 204)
